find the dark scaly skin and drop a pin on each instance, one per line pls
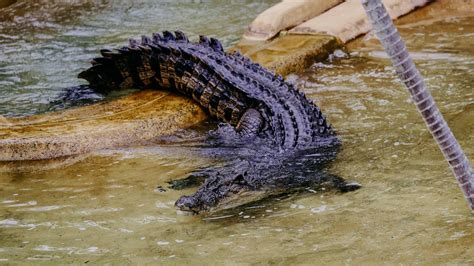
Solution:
(261, 108)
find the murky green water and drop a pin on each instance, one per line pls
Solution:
(44, 45)
(105, 209)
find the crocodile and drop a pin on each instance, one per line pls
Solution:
(280, 140)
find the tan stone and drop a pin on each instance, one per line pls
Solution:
(133, 119)
(289, 54)
(285, 15)
(348, 20)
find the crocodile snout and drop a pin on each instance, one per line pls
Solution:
(187, 203)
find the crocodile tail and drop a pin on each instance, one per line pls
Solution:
(134, 66)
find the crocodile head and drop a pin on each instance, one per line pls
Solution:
(220, 193)
(197, 204)
(216, 194)
(246, 181)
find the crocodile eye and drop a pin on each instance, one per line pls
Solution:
(186, 203)
(239, 179)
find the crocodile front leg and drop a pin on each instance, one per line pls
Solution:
(250, 124)
(247, 129)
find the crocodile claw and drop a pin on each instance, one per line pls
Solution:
(349, 186)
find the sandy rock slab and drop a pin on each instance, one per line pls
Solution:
(285, 15)
(348, 20)
(133, 119)
(291, 53)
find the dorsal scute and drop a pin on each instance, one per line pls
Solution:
(133, 42)
(204, 40)
(146, 40)
(216, 45)
(168, 36)
(156, 37)
(180, 36)
(106, 52)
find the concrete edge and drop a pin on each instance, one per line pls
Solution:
(348, 20)
(130, 120)
(285, 15)
(290, 53)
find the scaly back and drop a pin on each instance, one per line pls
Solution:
(225, 84)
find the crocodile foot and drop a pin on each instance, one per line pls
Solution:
(349, 186)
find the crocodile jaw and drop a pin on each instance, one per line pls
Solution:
(230, 200)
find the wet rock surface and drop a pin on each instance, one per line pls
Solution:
(133, 119)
